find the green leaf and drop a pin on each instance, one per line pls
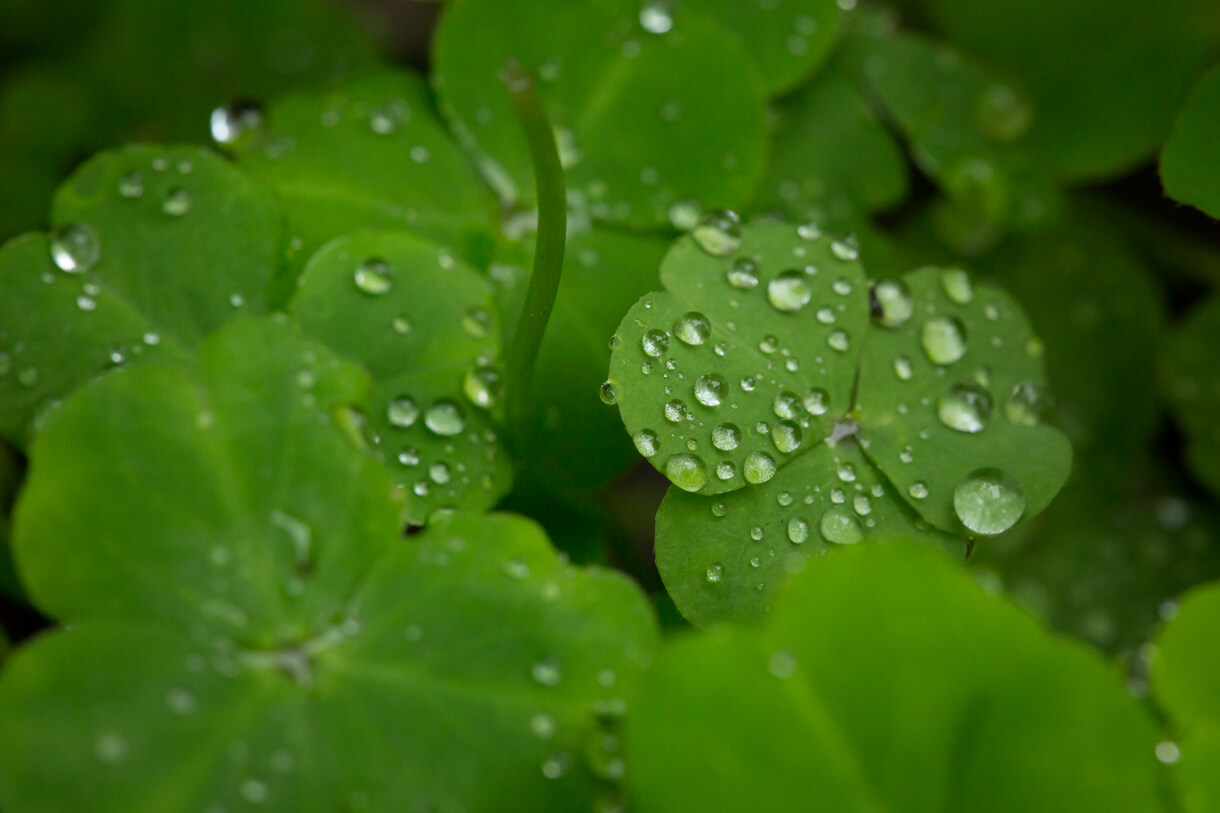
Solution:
(153, 248)
(1186, 677)
(957, 702)
(715, 383)
(575, 441)
(1190, 161)
(727, 558)
(644, 121)
(261, 634)
(1106, 76)
(1191, 381)
(965, 125)
(788, 39)
(425, 327)
(370, 154)
(830, 156)
(932, 426)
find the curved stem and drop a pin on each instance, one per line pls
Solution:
(548, 250)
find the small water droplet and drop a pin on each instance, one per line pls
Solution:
(903, 368)
(1001, 114)
(75, 248)
(1025, 405)
(918, 490)
(894, 305)
(607, 394)
(719, 509)
(786, 435)
(655, 343)
(838, 525)
(180, 701)
(373, 276)
(943, 339)
(445, 418)
(254, 791)
(743, 274)
(177, 202)
(759, 467)
(957, 286)
(543, 726)
(786, 405)
(131, 185)
(402, 411)
(989, 501)
(965, 408)
(845, 249)
(546, 672)
(710, 388)
(838, 340)
(718, 232)
(684, 214)
(656, 17)
(692, 328)
(234, 122)
(687, 471)
(482, 386)
(726, 437)
(714, 573)
(675, 411)
(789, 291)
(798, 530)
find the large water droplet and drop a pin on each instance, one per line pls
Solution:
(718, 232)
(789, 291)
(692, 328)
(235, 121)
(943, 339)
(75, 248)
(655, 343)
(798, 530)
(957, 286)
(786, 436)
(989, 501)
(710, 388)
(839, 526)
(445, 418)
(965, 407)
(656, 17)
(786, 405)
(687, 471)
(646, 442)
(759, 467)
(726, 437)
(402, 411)
(894, 305)
(817, 402)
(607, 394)
(675, 411)
(482, 386)
(373, 277)
(1025, 404)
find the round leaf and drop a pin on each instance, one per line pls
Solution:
(425, 327)
(1190, 162)
(644, 120)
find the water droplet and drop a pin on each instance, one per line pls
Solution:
(725, 471)
(710, 389)
(687, 471)
(894, 305)
(684, 214)
(826, 316)
(655, 343)
(546, 672)
(860, 503)
(816, 402)
(845, 249)
(543, 726)
(782, 664)
(957, 286)
(1025, 404)
(86, 304)
(556, 765)
(131, 185)
(692, 328)
(656, 17)
(918, 490)
(809, 231)
(903, 368)
(110, 748)
(402, 411)
(180, 701)
(445, 418)
(759, 467)
(1001, 114)
(646, 442)
(373, 277)
(401, 325)
(798, 530)
(943, 339)
(965, 407)
(786, 436)
(743, 274)
(75, 248)
(718, 232)
(675, 411)
(477, 323)
(607, 394)
(839, 526)
(482, 386)
(838, 340)
(726, 437)
(719, 509)
(789, 291)
(177, 202)
(989, 501)
(254, 791)
(409, 456)
(439, 473)
(233, 122)
(714, 573)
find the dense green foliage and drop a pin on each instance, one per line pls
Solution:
(294, 515)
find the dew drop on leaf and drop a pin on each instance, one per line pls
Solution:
(692, 328)
(718, 232)
(903, 368)
(373, 277)
(918, 490)
(477, 323)
(786, 405)
(235, 122)
(943, 339)
(894, 305)
(482, 386)
(675, 411)
(646, 442)
(789, 291)
(786, 435)
(656, 17)
(655, 343)
(687, 471)
(546, 672)
(817, 402)
(684, 214)
(111, 748)
(1024, 405)
(710, 389)
(714, 573)
(838, 340)
(798, 530)
(839, 526)
(725, 471)
(726, 436)
(445, 418)
(957, 286)
(964, 408)
(989, 501)
(1001, 114)
(402, 411)
(743, 274)
(759, 467)
(75, 248)
(607, 394)
(177, 202)
(845, 249)
(131, 185)
(542, 726)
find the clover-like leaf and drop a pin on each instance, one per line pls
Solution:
(951, 402)
(152, 249)
(762, 349)
(261, 634)
(958, 702)
(1186, 678)
(965, 125)
(1191, 377)
(645, 121)
(1190, 161)
(1106, 76)
(788, 39)
(369, 154)
(830, 156)
(426, 328)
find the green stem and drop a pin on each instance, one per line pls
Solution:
(548, 249)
